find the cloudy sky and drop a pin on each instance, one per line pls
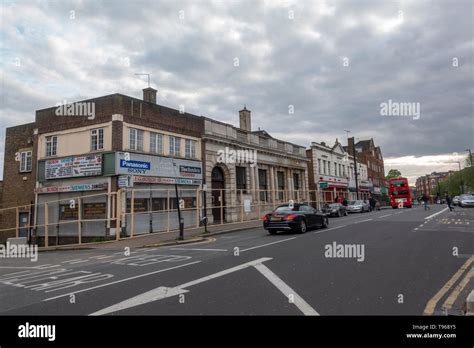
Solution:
(330, 62)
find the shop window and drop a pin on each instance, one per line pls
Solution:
(140, 205)
(94, 210)
(158, 204)
(68, 213)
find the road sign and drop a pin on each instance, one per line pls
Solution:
(323, 185)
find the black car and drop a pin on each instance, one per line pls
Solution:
(298, 218)
(335, 209)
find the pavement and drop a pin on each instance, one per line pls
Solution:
(389, 262)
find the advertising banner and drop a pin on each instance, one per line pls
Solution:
(157, 166)
(77, 166)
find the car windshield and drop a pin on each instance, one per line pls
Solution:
(355, 202)
(283, 209)
(334, 205)
(469, 197)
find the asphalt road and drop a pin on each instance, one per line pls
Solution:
(407, 259)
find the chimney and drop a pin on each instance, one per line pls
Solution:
(244, 116)
(350, 145)
(149, 95)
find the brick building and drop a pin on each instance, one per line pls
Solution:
(66, 171)
(429, 184)
(371, 156)
(60, 157)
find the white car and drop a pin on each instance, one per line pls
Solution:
(466, 201)
(456, 200)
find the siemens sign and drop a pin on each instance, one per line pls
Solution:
(137, 167)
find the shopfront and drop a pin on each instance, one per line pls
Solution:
(150, 191)
(332, 187)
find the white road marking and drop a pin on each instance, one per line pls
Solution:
(105, 257)
(121, 280)
(163, 292)
(79, 261)
(385, 216)
(67, 261)
(264, 245)
(150, 296)
(45, 266)
(433, 215)
(358, 222)
(302, 305)
(329, 229)
(96, 257)
(198, 249)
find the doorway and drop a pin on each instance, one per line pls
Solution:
(218, 195)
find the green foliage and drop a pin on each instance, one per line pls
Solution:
(393, 173)
(453, 184)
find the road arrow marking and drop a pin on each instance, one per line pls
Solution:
(150, 296)
(286, 290)
(164, 292)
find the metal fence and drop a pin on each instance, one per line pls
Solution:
(132, 212)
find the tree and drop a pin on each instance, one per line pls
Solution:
(393, 173)
(468, 161)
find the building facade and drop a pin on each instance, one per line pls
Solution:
(244, 165)
(332, 174)
(371, 155)
(127, 142)
(429, 185)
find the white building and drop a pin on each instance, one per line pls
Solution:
(248, 172)
(332, 173)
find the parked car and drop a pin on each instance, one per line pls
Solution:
(335, 209)
(358, 206)
(456, 200)
(466, 201)
(299, 218)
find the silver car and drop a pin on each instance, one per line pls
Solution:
(359, 206)
(466, 201)
(456, 200)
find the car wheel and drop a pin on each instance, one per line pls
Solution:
(272, 231)
(302, 228)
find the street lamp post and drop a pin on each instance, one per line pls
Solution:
(460, 173)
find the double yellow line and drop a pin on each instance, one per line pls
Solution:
(448, 304)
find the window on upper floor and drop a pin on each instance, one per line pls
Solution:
(25, 161)
(51, 146)
(135, 139)
(156, 143)
(97, 139)
(190, 148)
(175, 146)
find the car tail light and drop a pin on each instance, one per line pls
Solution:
(265, 218)
(290, 217)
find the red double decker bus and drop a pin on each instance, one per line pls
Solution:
(400, 193)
